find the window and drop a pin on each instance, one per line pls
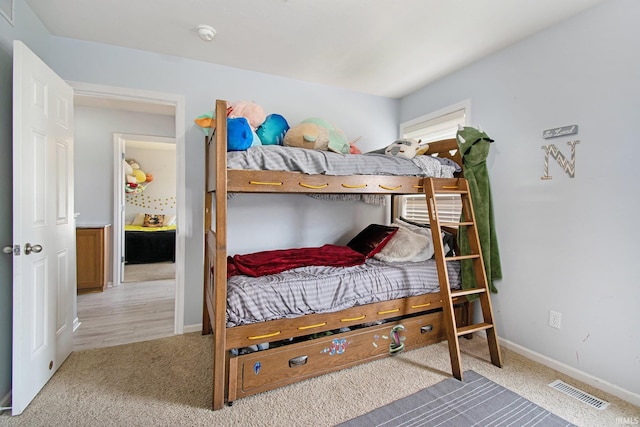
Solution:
(442, 124)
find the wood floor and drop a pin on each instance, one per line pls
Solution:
(129, 313)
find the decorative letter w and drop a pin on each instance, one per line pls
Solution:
(568, 166)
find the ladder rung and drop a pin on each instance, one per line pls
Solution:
(472, 291)
(459, 257)
(456, 224)
(449, 191)
(473, 328)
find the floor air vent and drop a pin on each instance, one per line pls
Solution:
(579, 394)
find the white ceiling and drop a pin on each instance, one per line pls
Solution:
(381, 47)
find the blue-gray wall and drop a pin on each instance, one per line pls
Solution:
(567, 244)
(94, 151)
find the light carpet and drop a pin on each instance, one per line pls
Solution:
(451, 403)
(149, 272)
(168, 382)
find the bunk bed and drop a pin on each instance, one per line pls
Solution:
(343, 338)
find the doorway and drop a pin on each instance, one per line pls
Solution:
(146, 102)
(145, 214)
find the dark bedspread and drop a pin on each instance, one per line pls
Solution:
(275, 261)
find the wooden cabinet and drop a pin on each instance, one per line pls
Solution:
(92, 257)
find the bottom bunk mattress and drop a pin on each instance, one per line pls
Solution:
(320, 289)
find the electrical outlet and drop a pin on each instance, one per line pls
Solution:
(555, 319)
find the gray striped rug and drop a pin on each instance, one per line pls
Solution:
(475, 402)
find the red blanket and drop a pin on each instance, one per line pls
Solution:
(275, 261)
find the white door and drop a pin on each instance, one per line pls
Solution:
(44, 267)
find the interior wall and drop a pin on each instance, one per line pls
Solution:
(563, 244)
(93, 135)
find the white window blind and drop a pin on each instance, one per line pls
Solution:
(440, 125)
(436, 129)
(414, 208)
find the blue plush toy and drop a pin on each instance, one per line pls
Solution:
(239, 134)
(272, 131)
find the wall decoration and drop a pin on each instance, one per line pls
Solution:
(561, 131)
(7, 9)
(159, 204)
(568, 166)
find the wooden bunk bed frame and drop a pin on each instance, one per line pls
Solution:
(235, 376)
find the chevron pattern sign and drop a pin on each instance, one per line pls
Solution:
(568, 166)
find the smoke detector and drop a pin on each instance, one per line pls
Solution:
(206, 32)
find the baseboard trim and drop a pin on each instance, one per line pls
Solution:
(5, 402)
(192, 328)
(579, 375)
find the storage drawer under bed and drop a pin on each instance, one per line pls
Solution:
(268, 369)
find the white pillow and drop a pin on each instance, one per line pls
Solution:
(405, 148)
(170, 220)
(405, 245)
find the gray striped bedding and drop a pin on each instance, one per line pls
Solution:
(279, 158)
(310, 290)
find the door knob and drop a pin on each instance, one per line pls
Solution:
(28, 248)
(8, 249)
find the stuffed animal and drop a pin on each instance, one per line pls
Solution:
(206, 121)
(136, 179)
(273, 130)
(317, 134)
(406, 148)
(240, 136)
(249, 110)
(353, 149)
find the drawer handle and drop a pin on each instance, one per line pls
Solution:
(385, 187)
(259, 337)
(425, 329)
(352, 319)
(394, 310)
(317, 325)
(314, 187)
(264, 183)
(421, 305)
(354, 186)
(298, 361)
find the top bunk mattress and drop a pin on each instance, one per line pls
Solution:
(314, 162)
(320, 289)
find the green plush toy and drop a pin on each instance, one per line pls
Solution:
(317, 134)
(474, 148)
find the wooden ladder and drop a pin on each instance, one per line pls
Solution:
(461, 186)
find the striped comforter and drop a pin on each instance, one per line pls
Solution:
(279, 158)
(308, 290)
